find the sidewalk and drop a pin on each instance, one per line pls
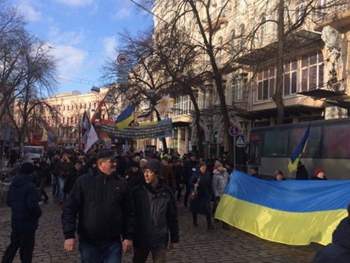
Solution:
(197, 245)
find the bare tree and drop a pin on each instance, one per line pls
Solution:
(27, 73)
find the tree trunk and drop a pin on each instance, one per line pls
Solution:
(278, 96)
(165, 147)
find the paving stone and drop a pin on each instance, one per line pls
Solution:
(197, 245)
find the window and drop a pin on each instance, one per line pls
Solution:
(290, 77)
(242, 36)
(233, 42)
(182, 105)
(237, 85)
(312, 71)
(266, 84)
(262, 30)
(63, 119)
(220, 50)
(271, 148)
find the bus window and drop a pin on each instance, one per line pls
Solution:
(255, 152)
(336, 141)
(276, 143)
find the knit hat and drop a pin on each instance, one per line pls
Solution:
(201, 164)
(27, 168)
(135, 164)
(106, 154)
(218, 164)
(153, 165)
(193, 154)
(317, 171)
(278, 172)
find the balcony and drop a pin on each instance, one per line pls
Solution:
(218, 17)
(336, 16)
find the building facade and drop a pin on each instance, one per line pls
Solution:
(315, 66)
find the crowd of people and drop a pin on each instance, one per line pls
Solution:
(117, 203)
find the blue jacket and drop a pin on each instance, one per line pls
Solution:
(23, 200)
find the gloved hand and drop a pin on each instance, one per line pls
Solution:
(217, 198)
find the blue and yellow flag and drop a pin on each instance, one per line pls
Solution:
(127, 116)
(290, 212)
(296, 156)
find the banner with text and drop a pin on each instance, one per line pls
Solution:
(151, 130)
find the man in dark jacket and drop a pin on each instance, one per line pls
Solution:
(339, 250)
(23, 200)
(156, 216)
(190, 166)
(103, 201)
(63, 167)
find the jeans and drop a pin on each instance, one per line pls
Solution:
(140, 256)
(42, 191)
(109, 253)
(187, 194)
(61, 186)
(25, 242)
(55, 185)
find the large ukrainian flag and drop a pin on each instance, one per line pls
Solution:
(290, 212)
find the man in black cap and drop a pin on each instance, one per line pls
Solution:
(103, 201)
(151, 198)
(190, 166)
(23, 200)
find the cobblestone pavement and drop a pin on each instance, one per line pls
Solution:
(197, 245)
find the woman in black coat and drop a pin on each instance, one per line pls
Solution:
(200, 183)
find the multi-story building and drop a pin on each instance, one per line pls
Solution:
(66, 129)
(245, 34)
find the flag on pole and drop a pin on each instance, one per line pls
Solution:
(49, 139)
(296, 156)
(92, 138)
(127, 116)
(163, 105)
(44, 137)
(97, 114)
(85, 126)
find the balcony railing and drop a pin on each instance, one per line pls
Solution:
(337, 16)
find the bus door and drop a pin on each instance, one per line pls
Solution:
(255, 146)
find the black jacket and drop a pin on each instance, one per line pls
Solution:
(188, 169)
(339, 250)
(105, 208)
(23, 200)
(72, 177)
(156, 215)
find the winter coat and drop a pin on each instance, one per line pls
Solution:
(71, 178)
(339, 250)
(134, 179)
(105, 208)
(23, 200)
(188, 169)
(44, 170)
(177, 170)
(167, 176)
(301, 173)
(64, 167)
(220, 181)
(201, 203)
(156, 216)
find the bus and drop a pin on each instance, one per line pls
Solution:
(328, 147)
